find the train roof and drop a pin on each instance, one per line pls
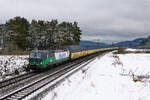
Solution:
(74, 48)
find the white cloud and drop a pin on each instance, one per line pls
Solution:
(112, 20)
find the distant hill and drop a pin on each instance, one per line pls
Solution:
(134, 42)
(91, 43)
(146, 42)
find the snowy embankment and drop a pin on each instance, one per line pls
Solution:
(10, 64)
(111, 77)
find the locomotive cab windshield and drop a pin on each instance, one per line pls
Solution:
(37, 56)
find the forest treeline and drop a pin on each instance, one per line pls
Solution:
(20, 34)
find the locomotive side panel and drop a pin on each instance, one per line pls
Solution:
(62, 56)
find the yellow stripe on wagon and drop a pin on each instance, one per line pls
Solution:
(75, 55)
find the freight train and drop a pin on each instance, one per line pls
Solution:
(42, 59)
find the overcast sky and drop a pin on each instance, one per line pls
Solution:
(106, 20)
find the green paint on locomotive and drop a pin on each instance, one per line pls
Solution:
(30, 62)
(49, 60)
(46, 61)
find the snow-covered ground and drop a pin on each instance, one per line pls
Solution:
(111, 77)
(134, 50)
(8, 65)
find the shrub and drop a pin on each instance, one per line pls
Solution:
(16, 72)
(121, 49)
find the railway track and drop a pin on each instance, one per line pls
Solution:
(7, 82)
(23, 88)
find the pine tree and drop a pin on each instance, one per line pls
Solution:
(40, 34)
(19, 31)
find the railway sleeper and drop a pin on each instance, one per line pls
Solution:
(18, 95)
(9, 98)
